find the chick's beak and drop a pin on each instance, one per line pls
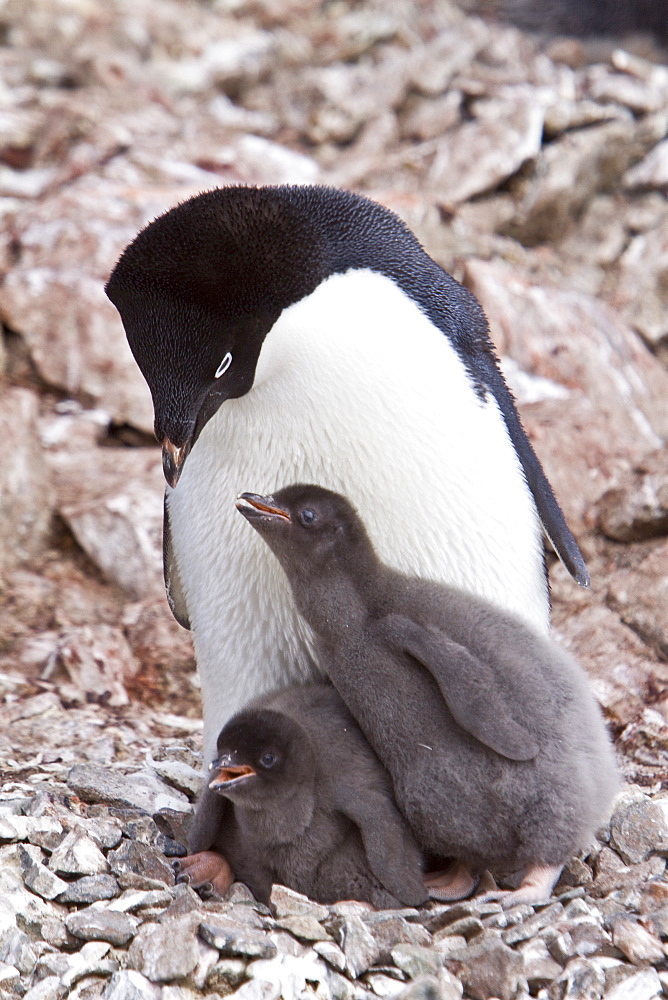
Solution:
(173, 459)
(229, 775)
(252, 505)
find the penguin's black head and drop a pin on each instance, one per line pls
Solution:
(263, 756)
(309, 528)
(199, 289)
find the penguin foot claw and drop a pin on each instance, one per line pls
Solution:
(536, 887)
(208, 872)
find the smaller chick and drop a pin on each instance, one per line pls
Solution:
(311, 807)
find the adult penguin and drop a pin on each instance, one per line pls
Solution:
(302, 333)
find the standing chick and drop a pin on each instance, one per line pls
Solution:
(311, 806)
(496, 748)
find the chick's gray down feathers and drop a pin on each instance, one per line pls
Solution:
(327, 825)
(496, 747)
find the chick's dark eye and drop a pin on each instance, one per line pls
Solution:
(267, 760)
(307, 517)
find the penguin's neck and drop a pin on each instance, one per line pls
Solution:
(338, 604)
(281, 822)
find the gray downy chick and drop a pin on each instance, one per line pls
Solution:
(311, 805)
(496, 747)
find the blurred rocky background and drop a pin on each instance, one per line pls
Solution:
(532, 167)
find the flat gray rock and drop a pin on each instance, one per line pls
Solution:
(416, 961)
(141, 790)
(97, 924)
(90, 889)
(234, 940)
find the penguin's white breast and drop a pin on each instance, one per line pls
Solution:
(355, 390)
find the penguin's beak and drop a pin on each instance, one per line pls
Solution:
(229, 775)
(173, 459)
(255, 507)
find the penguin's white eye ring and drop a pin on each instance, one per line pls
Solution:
(268, 760)
(224, 365)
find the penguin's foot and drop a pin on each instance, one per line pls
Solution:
(536, 887)
(206, 871)
(451, 883)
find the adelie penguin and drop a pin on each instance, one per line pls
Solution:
(496, 748)
(302, 333)
(311, 807)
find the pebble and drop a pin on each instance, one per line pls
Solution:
(165, 951)
(42, 881)
(581, 980)
(49, 988)
(8, 975)
(38, 830)
(90, 889)
(286, 902)
(535, 923)
(540, 967)
(304, 926)
(428, 988)
(142, 790)
(78, 854)
(97, 924)
(638, 827)
(138, 899)
(449, 946)
(467, 927)
(642, 985)
(416, 961)
(128, 984)
(358, 945)
(383, 985)
(489, 967)
(635, 941)
(389, 929)
(234, 940)
(138, 866)
(90, 961)
(226, 974)
(177, 773)
(331, 954)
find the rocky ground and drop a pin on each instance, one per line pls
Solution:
(536, 171)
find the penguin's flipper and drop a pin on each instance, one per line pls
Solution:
(388, 844)
(471, 689)
(206, 827)
(175, 596)
(551, 515)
